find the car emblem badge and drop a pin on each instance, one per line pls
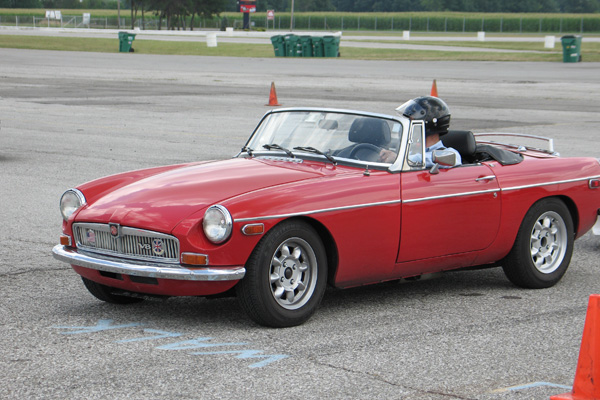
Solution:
(157, 247)
(114, 230)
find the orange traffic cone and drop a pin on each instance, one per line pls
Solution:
(587, 375)
(273, 96)
(434, 89)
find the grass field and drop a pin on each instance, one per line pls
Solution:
(532, 51)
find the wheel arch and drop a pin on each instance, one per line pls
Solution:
(328, 242)
(567, 201)
(546, 266)
(572, 207)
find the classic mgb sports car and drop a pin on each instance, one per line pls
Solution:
(307, 203)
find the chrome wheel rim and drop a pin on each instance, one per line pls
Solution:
(548, 242)
(293, 273)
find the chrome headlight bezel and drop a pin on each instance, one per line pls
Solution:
(71, 201)
(217, 224)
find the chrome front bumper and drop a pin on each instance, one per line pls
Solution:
(154, 270)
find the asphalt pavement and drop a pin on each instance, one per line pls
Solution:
(69, 117)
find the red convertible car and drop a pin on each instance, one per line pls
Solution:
(307, 203)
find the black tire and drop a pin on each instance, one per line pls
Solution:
(104, 293)
(286, 276)
(542, 250)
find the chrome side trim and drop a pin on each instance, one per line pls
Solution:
(549, 183)
(150, 270)
(495, 190)
(446, 196)
(381, 203)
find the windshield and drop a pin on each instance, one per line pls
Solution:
(335, 134)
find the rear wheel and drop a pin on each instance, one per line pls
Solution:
(285, 276)
(543, 247)
(104, 293)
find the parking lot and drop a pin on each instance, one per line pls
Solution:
(69, 117)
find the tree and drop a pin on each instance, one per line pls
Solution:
(205, 8)
(20, 3)
(176, 11)
(579, 6)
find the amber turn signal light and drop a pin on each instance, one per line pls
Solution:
(194, 259)
(253, 229)
(65, 240)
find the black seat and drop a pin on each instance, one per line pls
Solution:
(463, 142)
(370, 130)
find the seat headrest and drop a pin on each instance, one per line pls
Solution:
(370, 130)
(462, 141)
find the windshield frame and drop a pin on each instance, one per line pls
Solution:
(403, 122)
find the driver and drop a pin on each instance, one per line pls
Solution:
(436, 114)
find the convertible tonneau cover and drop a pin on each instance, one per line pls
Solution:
(504, 157)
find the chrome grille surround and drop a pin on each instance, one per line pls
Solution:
(131, 243)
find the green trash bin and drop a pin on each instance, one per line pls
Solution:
(331, 46)
(125, 41)
(306, 46)
(571, 45)
(317, 45)
(278, 45)
(293, 47)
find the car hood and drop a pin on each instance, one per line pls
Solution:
(160, 202)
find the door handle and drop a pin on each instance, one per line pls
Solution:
(485, 178)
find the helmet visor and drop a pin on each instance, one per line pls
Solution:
(411, 109)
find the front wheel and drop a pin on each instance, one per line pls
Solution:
(543, 247)
(285, 276)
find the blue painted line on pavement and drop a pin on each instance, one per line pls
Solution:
(532, 385)
(102, 325)
(197, 343)
(160, 335)
(192, 344)
(269, 358)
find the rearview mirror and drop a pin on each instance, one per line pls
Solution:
(328, 124)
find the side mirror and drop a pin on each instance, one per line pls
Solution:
(445, 158)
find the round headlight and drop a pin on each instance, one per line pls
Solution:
(70, 201)
(217, 224)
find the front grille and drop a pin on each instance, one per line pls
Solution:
(131, 243)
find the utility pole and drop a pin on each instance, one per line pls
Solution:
(292, 19)
(118, 14)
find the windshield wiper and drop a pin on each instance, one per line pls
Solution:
(278, 147)
(316, 151)
(248, 150)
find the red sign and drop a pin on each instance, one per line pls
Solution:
(246, 8)
(270, 15)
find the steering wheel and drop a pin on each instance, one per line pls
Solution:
(365, 152)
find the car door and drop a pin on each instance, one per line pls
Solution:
(451, 212)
